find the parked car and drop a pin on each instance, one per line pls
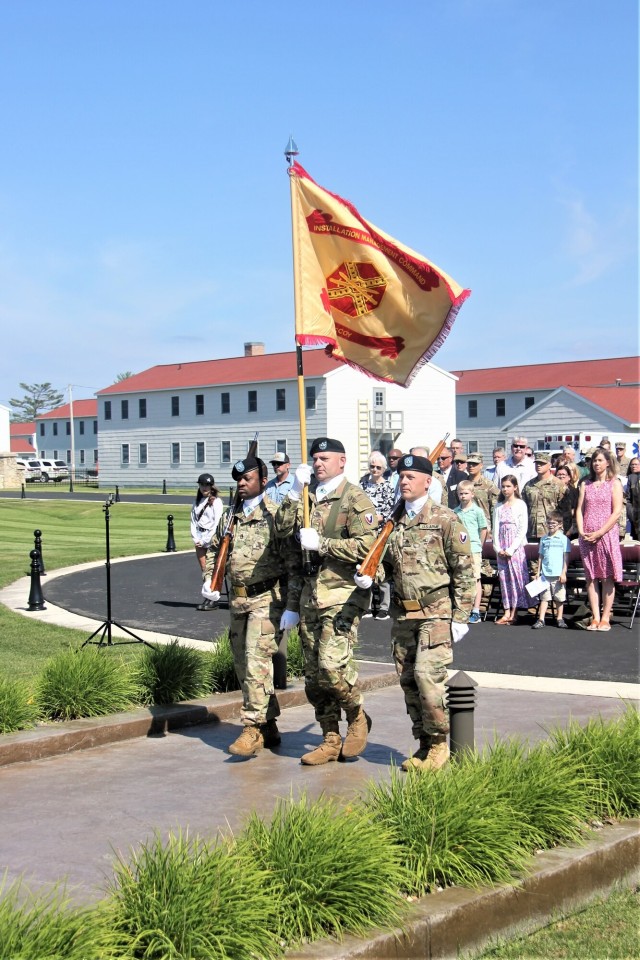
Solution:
(30, 469)
(56, 470)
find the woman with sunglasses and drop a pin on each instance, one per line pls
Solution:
(382, 494)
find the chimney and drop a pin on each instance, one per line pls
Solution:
(618, 382)
(254, 349)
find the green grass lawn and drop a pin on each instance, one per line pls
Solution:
(72, 532)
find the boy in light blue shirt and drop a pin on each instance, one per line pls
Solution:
(476, 525)
(554, 552)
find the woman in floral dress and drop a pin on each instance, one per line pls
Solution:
(510, 522)
(597, 513)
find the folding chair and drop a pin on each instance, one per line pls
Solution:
(631, 582)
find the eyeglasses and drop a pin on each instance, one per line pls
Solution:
(518, 446)
(444, 458)
(375, 466)
(393, 458)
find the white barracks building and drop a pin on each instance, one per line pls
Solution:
(174, 421)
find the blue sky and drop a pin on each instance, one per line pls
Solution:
(144, 202)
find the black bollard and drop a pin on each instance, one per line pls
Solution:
(36, 600)
(164, 486)
(37, 545)
(171, 543)
(23, 493)
(461, 700)
(117, 497)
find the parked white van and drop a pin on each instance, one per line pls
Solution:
(55, 470)
(30, 469)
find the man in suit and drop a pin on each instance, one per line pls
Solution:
(451, 475)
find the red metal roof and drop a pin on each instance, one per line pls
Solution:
(204, 373)
(576, 374)
(81, 408)
(624, 402)
(20, 445)
(22, 429)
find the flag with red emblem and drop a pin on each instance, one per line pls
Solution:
(378, 305)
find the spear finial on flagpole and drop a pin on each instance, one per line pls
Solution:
(291, 150)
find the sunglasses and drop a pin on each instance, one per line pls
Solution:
(444, 458)
(519, 446)
(394, 458)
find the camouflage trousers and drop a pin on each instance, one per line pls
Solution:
(330, 674)
(254, 637)
(422, 652)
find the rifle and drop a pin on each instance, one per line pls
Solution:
(369, 566)
(220, 565)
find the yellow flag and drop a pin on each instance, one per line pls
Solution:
(377, 304)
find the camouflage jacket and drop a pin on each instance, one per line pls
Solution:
(429, 560)
(541, 498)
(257, 556)
(486, 494)
(352, 533)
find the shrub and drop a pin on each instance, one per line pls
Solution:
(609, 754)
(295, 655)
(222, 673)
(18, 709)
(171, 673)
(452, 826)
(43, 926)
(192, 900)
(85, 683)
(331, 870)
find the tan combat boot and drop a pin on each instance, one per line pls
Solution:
(328, 750)
(250, 741)
(356, 738)
(271, 734)
(437, 757)
(415, 762)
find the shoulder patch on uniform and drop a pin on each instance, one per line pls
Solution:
(369, 518)
(463, 535)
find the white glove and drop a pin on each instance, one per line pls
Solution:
(289, 619)
(458, 630)
(362, 580)
(309, 538)
(208, 593)
(302, 477)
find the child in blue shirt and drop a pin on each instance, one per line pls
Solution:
(554, 554)
(475, 522)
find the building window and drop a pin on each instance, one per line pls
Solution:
(124, 453)
(42, 454)
(473, 408)
(42, 429)
(95, 426)
(281, 446)
(378, 399)
(529, 402)
(124, 409)
(225, 403)
(252, 401)
(95, 456)
(225, 450)
(107, 409)
(175, 406)
(501, 407)
(81, 427)
(200, 452)
(55, 454)
(281, 399)
(175, 453)
(142, 408)
(68, 427)
(310, 397)
(143, 453)
(68, 456)
(82, 457)
(199, 404)
(472, 446)
(55, 429)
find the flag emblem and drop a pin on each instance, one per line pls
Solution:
(355, 288)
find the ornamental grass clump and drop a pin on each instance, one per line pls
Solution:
(548, 790)
(171, 673)
(331, 870)
(221, 671)
(43, 926)
(184, 899)
(18, 708)
(85, 683)
(295, 655)
(609, 753)
(452, 827)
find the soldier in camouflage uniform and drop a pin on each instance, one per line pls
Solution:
(429, 559)
(485, 492)
(256, 570)
(342, 527)
(542, 496)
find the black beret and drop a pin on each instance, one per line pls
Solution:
(326, 445)
(249, 463)
(417, 464)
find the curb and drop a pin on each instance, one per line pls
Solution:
(54, 739)
(461, 922)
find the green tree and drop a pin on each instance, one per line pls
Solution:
(38, 397)
(123, 376)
